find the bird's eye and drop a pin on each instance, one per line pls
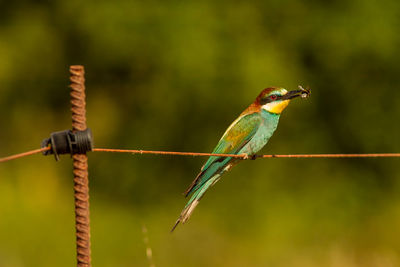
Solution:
(273, 97)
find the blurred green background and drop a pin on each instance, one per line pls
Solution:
(172, 75)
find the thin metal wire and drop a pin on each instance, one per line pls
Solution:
(174, 153)
(367, 155)
(200, 154)
(24, 154)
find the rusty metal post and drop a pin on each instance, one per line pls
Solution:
(81, 181)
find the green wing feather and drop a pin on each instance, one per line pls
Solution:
(234, 139)
(239, 133)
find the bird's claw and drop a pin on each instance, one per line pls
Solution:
(245, 156)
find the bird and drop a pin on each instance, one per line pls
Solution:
(247, 135)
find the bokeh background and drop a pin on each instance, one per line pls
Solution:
(172, 75)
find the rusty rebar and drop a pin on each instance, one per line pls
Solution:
(81, 181)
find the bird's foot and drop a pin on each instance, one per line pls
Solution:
(245, 156)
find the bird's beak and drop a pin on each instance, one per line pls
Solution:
(295, 93)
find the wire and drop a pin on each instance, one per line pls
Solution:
(174, 153)
(198, 154)
(16, 156)
(134, 151)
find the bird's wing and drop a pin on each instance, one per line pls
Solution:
(238, 134)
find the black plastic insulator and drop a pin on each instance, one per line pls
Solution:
(68, 142)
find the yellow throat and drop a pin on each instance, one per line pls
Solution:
(276, 107)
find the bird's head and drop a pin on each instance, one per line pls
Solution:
(275, 99)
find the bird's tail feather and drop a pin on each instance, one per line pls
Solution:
(194, 200)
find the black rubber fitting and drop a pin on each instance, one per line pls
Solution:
(68, 142)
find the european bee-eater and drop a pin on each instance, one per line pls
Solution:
(246, 135)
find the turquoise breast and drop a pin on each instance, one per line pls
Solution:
(264, 132)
